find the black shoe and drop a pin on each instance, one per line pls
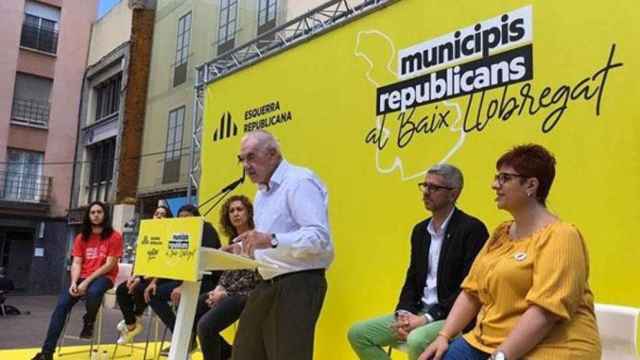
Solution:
(87, 331)
(43, 356)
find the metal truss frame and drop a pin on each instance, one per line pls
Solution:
(313, 23)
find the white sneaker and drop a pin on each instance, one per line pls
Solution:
(127, 336)
(122, 326)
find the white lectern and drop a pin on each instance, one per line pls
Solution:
(170, 248)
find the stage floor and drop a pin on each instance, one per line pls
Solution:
(124, 352)
(21, 335)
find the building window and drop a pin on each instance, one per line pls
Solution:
(23, 180)
(266, 15)
(5, 250)
(184, 32)
(227, 25)
(173, 149)
(102, 156)
(182, 50)
(31, 100)
(40, 27)
(108, 98)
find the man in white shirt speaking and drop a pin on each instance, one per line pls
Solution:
(292, 234)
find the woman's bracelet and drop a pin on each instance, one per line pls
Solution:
(441, 333)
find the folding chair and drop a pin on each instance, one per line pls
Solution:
(152, 322)
(96, 340)
(152, 325)
(164, 336)
(124, 272)
(618, 326)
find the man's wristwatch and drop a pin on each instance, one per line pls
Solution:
(498, 355)
(274, 241)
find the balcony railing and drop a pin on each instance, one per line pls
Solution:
(30, 112)
(24, 187)
(99, 191)
(39, 38)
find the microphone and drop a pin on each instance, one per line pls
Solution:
(234, 184)
(223, 193)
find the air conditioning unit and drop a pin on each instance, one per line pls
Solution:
(142, 4)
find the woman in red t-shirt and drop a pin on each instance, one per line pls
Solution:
(95, 252)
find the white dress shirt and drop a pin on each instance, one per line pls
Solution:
(293, 207)
(430, 294)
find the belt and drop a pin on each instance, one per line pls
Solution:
(283, 276)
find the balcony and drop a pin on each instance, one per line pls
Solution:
(39, 38)
(99, 191)
(30, 112)
(24, 188)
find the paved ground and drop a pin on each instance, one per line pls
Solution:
(29, 330)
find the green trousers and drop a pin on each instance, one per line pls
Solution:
(368, 338)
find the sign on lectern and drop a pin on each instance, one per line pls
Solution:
(169, 248)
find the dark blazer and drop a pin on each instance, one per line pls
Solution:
(464, 237)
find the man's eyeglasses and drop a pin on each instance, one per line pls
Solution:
(503, 177)
(249, 158)
(426, 187)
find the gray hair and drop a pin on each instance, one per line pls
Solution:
(265, 140)
(451, 174)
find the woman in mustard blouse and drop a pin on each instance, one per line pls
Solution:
(528, 288)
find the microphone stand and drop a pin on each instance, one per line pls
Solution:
(222, 194)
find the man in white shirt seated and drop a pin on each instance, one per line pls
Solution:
(443, 248)
(292, 234)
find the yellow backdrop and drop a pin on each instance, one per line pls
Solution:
(319, 99)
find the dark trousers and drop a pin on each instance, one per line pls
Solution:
(93, 299)
(213, 321)
(279, 319)
(133, 304)
(160, 302)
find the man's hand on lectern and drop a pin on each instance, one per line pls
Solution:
(235, 248)
(252, 240)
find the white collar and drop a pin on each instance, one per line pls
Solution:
(443, 226)
(276, 178)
